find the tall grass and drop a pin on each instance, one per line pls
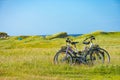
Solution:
(38, 62)
(33, 60)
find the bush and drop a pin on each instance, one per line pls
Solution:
(3, 35)
(57, 35)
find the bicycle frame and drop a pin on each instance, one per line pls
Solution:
(70, 50)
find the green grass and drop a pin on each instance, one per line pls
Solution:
(32, 59)
(57, 35)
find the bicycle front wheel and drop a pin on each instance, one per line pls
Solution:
(62, 57)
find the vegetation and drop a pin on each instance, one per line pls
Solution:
(32, 59)
(3, 35)
(57, 35)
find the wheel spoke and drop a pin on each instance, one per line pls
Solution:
(63, 58)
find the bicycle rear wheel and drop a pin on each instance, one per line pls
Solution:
(105, 55)
(62, 57)
(96, 57)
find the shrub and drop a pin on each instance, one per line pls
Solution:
(3, 35)
(57, 35)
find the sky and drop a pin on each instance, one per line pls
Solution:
(43, 17)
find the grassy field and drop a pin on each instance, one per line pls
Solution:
(32, 59)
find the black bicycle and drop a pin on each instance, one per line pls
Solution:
(91, 54)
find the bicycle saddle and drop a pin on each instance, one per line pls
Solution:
(86, 42)
(74, 43)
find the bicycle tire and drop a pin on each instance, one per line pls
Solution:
(105, 55)
(61, 57)
(96, 57)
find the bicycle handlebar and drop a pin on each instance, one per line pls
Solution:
(88, 42)
(70, 42)
(91, 38)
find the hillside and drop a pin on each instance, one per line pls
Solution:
(42, 42)
(31, 58)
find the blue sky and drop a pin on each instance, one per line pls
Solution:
(40, 17)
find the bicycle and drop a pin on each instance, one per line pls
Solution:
(90, 54)
(96, 52)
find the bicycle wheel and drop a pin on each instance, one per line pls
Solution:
(62, 57)
(105, 55)
(88, 60)
(96, 57)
